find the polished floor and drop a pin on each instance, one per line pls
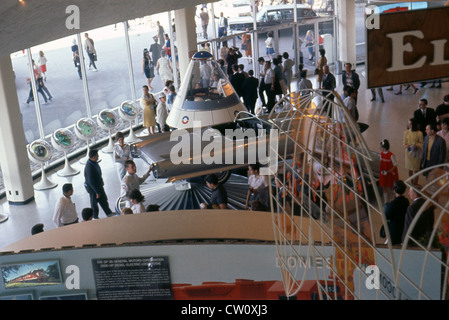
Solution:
(386, 121)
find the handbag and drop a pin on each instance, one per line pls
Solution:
(415, 151)
(316, 71)
(95, 57)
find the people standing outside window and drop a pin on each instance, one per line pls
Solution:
(42, 60)
(269, 44)
(204, 21)
(91, 52)
(160, 32)
(222, 27)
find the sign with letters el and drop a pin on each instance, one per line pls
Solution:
(408, 47)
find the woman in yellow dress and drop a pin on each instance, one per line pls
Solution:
(319, 68)
(148, 105)
(413, 143)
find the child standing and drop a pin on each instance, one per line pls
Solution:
(269, 43)
(137, 200)
(388, 171)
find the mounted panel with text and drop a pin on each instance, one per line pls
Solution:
(408, 47)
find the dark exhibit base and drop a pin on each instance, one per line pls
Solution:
(189, 194)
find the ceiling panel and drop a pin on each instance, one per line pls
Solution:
(27, 23)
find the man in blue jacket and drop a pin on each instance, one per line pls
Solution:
(94, 185)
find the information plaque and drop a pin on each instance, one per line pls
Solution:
(136, 278)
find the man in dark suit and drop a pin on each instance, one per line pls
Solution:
(424, 115)
(231, 59)
(155, 50)
(434, 148)
(94, 185)
(250, 91)
(329, 82)
(425, 222)
(237, 80)
(442, 110)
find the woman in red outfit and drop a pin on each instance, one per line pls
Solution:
(388, 171)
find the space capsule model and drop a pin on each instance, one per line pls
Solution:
(206, 97)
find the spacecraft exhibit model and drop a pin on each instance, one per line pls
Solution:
(214, 131)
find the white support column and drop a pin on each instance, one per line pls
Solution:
(346, 31)
(185, 37)
(14, 159)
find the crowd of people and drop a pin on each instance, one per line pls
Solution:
(426, 144)
(425, 141)
(133, 201)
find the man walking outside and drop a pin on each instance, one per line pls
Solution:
(91, 52)
(222, 27)
(204, 21)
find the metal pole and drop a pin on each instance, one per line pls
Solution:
(173, 53)
(255, 42)
(36, 97)
(130, 62)
(214, 44)
(296, 48)
(83, 73)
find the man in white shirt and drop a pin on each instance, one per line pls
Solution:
(269, 79)
(258, 186)
(65, 210)
(131, 181)
(305, 85)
